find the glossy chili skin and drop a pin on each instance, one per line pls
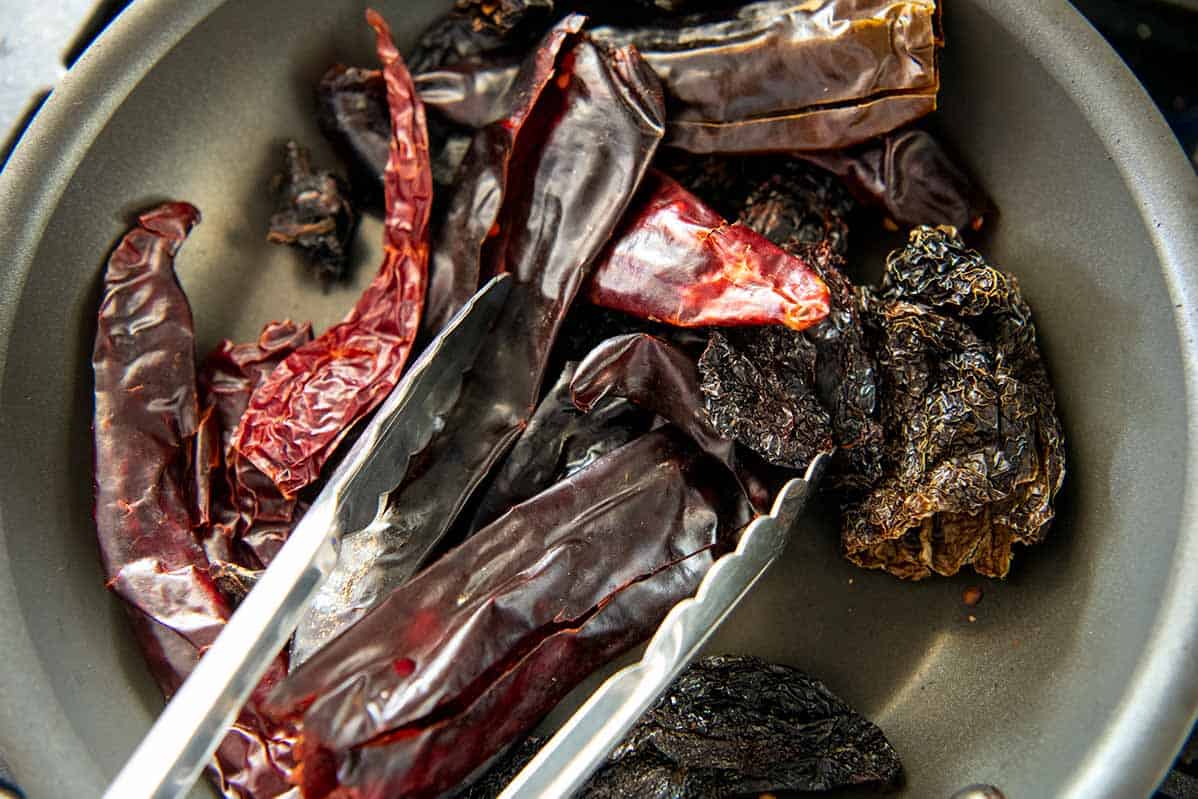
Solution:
(785, 76)
(307, 405)
(910, 176)
(677, 261)
(477, 197)
(587, 144)
(251, 519)
(559, 441)
(146, 422)
(473, 651)
(662, 379)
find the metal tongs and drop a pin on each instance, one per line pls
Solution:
(171, 756)
(569, 758)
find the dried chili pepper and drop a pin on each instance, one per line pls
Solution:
(788, 201)
(662, 379)
(788, 395)
(471, 93)
(351, 108)
(250, 512)
(146, 420)
(313, 214)
(298, 416)
(559, 441)
(974, 453)
(795, 205)
(503, 15)
(353, 114)
(474, 208)
(910, 176)
(606, 106)
(786, 76)
(759, 386)
(732, 726)
(474, 650)
(676, 260)
(461, 36)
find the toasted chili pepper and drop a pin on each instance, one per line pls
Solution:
(299, 415)
(584, 149)
(473, 215)
(784, 75)
(251, 513)
(910, 176)
(472, 652)
(559, 441)
(662, 379)
(146, 419)
(675, 260)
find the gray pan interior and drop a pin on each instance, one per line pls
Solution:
(1076, 677)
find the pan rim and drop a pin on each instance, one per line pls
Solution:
(1159, 704)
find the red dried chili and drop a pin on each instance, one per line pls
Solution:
(146, 423)
(300, 414)
(677, 261)
(660, 378)
(472, 652)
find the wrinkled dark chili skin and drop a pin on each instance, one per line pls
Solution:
(146, 423)
(975, 453)
(732, 726)
(912, 178)
(677, 261)
(251, 519)
(662, 379)
(307, 405)
(477, 197)
(313, 214)
(788, 396)
(559, 441)
(473, 651)
(784, 76)
(586, 146)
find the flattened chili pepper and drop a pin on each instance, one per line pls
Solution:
(675, 260)
(472, 652)
(910, 176)
(662, 379)
(785, 75)
(584, 149)
(146, 418)
(474, 209)
(559, 441)
(299, 415)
